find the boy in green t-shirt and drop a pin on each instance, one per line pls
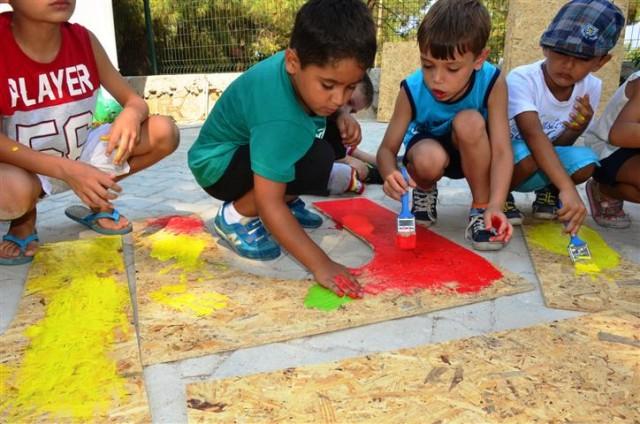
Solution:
(261, 145)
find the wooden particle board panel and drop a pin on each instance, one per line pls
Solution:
(399, 59)
(580, 370)
(252, 310)
(71, 353)
(565, 287)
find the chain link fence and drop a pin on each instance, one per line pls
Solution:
(202, 36)
(207, 36)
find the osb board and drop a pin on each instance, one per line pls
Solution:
(259, 310)
(526, 22)
(65, 358)
(399, 59)
(564, 288)
(584, 370)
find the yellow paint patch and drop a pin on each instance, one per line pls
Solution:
(550, 236)
(67, 371)
(185, 251)
(177, 297)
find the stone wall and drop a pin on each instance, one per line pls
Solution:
(189, 98)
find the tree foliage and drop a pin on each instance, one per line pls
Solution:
(230, 35)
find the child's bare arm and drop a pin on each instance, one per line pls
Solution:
(283, 226)
(573, 211)
(394, 184)
(125, 131)
(625, 131)
(501, 169)
(89, 183)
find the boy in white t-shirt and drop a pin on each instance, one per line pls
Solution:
(616, 137)
(551, 103)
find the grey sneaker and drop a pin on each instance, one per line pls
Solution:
(478, 235)
(424, 205)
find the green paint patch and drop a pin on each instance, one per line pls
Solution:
(324, 299)
(550, 236)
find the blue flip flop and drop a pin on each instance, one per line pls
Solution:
(88, 218)
(22, 245)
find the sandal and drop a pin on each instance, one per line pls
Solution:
(22, 245)
(88, 218)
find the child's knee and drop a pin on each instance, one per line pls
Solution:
(526, 166)
(428, 169)
(20, 192)
(166, 135)
(583, 174)
(469, 126)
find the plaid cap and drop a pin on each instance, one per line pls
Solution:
(584, 28)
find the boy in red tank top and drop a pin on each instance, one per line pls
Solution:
(50, 73)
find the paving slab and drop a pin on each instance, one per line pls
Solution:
(169, 188)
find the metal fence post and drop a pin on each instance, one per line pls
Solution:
(150, 41)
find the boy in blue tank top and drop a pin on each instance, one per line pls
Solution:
(451, 116)
(262, 145)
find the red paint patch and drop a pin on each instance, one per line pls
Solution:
(435, 263)
(178, 224)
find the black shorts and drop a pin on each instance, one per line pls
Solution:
(454, 169)
(332, 136)
(312, 174)
(607, 173)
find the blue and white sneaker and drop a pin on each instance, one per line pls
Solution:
(249, 239)
(305, 217)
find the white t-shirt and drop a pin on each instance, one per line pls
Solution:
(597, 135)
(528, 92)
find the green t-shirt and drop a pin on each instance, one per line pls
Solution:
(260, 108)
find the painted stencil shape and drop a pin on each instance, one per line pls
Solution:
(436, 263)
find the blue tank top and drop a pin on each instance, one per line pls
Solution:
(434, 117)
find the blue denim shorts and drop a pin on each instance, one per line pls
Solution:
(573, 158)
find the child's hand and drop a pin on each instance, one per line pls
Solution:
(349, 129)
(573, 211)
(339, 280)
(395, 185)
(94, 187)
(496, 219)
(125, 135)
(582, 116)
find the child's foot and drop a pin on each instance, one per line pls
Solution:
(546, 204)
(424, 205)
(355, 185)
(478, 235)
(109, 223)
(605, 211)
(512, 212)
(305, 217)
(249, 237)
(21, 230)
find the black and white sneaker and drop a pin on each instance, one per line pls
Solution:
(546, 204)
(512, 212)
(424, 205)
(478, 235)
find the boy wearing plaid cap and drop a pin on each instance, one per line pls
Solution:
(551, 103)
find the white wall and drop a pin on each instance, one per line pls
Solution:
(97, 15)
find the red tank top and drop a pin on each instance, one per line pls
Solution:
(48, 106)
